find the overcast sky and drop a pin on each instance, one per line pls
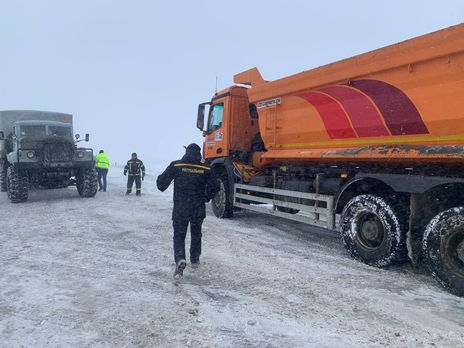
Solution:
(133, 72)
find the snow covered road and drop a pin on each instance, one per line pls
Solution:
(98, 273)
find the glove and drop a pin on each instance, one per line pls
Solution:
(125, 173)
(143, 177)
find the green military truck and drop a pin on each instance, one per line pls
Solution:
(38, 150)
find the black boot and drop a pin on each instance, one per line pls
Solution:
(179, 272)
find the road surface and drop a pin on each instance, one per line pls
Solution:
(98, 273)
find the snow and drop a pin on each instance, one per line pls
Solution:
(98, 272)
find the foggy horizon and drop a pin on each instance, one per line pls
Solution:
(133, 74)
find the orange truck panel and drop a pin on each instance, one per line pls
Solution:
(403, 102)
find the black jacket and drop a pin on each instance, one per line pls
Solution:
(194, 185)
(134, 167)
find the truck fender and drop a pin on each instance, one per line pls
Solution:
(359, 185)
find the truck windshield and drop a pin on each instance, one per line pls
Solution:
(215, 117)
(32, 131)
(59, 131)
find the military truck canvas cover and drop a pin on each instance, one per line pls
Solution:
(8, 118)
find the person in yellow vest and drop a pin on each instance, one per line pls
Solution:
(102, 164)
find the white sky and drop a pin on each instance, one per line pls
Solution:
(133, 72)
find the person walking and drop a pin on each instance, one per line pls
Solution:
(136, 173)
(194, 185)
(102, 165)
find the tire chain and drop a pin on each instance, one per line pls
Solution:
(17, 185)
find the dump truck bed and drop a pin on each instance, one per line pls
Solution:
(402, 103)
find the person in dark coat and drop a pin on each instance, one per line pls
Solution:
(136, 171)
(194, 185)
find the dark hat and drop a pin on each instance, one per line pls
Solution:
(134, 154)
(101, 151)
(192, 148)
(192, 153)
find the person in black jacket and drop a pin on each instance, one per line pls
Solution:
(136, 171)
(194, 185)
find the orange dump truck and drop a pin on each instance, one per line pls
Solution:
(372, 146)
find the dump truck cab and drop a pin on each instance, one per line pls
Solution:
(230, 124)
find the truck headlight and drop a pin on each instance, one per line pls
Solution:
(30, 154)
(80, 154)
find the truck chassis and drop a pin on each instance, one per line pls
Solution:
(383, 218)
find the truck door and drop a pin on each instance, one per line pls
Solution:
(216, 144)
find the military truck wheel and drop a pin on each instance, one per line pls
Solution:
(221, 203)
(17, 185)
(3, 168)
(87, 182)
(373, 231)
(443, 249)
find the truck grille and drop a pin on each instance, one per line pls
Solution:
(58, 152)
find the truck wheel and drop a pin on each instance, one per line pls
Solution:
(3, 169)
(80, 187)
(374, 231)
(87, 182)
(443, 249)
(221, 203)
(17, 185)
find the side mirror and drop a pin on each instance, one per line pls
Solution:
(2, 135)
(87, 137)
(77, 136)
(201, 117)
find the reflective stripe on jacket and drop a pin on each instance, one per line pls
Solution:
(135, 167)
(102, 161)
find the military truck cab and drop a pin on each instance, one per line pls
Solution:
(37, 149)
(45, 144)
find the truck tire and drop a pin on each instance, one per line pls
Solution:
(87, 182)
(443, 249)
(3, 168)
(221, 203)
(373, 231)
(17, 185)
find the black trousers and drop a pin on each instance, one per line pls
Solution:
(180, 232)
(138, 183)
(102, 172)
